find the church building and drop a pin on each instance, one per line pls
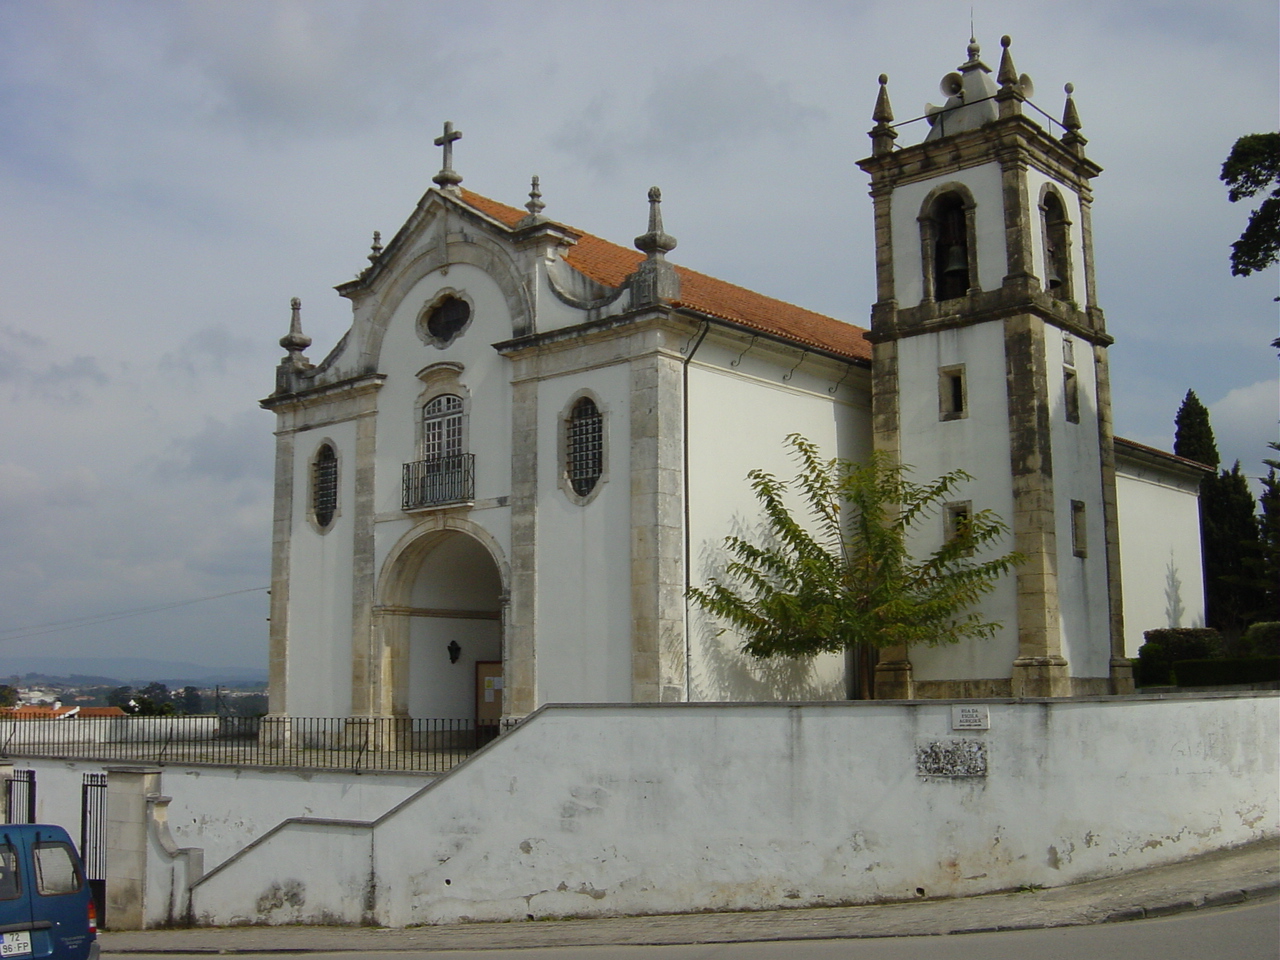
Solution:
(495, 490)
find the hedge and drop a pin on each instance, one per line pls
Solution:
(1219, 673)
(1156, 657)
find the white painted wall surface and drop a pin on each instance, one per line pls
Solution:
(978, 444)
(739, 418)
(457, 575)
(584, 549)
(984, 183)
(223, 809)
(606, 810)
(320, 597)
(1159, 551)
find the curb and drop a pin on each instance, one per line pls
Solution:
(1208, 901)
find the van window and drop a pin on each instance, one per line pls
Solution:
(56, 871)
(10, 888)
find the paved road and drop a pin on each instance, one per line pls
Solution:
(1249, 932)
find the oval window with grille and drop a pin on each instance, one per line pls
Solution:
(585, 446)
(324, 486)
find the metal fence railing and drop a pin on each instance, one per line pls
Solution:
(334, 743)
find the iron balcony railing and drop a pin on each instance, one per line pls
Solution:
(439, 480)
(332, 743)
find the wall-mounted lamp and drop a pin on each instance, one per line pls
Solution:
(454, 651)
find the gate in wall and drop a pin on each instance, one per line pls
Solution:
(20, 797)
(93, 837)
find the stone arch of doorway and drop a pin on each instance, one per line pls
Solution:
(442, 593)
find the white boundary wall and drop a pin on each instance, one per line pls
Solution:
(590, 810)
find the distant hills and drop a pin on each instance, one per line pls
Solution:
(133, 671)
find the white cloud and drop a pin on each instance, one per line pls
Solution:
(1244, 422)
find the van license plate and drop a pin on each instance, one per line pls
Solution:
(15, 944)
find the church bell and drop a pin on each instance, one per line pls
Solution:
(1052, 278)
(955, 262)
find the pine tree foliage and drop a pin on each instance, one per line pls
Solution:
(1193, 435)
(1261, 559)
(1252, 167)
(841, 576)
(1229, 533)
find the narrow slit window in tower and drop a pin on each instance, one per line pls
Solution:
(1071, 394)
(1079, 544)
(953, 400)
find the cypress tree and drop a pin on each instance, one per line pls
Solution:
(1262, 559)
(1229, 534)
(1228, 528)
(1193, 436)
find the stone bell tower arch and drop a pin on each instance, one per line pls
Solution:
(990, 355)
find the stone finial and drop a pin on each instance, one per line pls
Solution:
(1071, 122)
(535, 206)
(375, 248)
(882, 134)
(655, 243)
(655, 279)
(973, 50)
(447, 178)
(295, 341)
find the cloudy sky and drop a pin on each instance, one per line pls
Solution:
(171, 173)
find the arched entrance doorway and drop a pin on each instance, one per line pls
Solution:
(442, 618)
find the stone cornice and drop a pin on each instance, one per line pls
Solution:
(1012, 139)
(348, 389)
(675, 318)
(891, 322)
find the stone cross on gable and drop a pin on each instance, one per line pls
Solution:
(447, 177)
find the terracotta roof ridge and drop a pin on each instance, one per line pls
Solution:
(766, 296)
(1145, 448)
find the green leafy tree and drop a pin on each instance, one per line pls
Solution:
(1253, 167)
(122, 697)
(8, 696)
(843, 578)
(191, 701)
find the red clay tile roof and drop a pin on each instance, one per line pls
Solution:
(609, 264)
(46, 712)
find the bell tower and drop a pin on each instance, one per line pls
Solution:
(990, 356)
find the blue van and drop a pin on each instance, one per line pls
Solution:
(46, 907)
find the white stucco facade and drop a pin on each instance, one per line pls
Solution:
(433, 557)
(1159, 542)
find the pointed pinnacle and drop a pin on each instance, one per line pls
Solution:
(1070, 117)
(1008, 75)
(883, 112)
